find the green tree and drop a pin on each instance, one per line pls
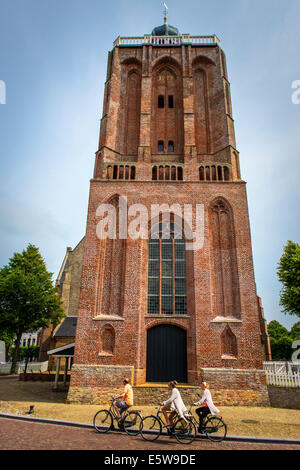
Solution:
(9, 338)
(281, 340)
(31, 352)
(289, 275)
(28, 298)
(276, 330)
(295, 331)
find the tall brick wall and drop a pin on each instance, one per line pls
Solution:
(222, 322)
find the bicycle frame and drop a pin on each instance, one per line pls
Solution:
(207, 420)
(113, 412)
(159, 412)
(196, 421)
(127, 422)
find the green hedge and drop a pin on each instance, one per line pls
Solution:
(32, 352)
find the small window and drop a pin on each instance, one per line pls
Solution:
(171, 146)
(171, 101)
(161, 101)
(132, 173)
(180, 173)
(161, 146)
(154, 173)
(226, 173)
(115, 172)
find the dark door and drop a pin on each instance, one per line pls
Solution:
(166, 354)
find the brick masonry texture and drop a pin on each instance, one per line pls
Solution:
(223, 321)
(283, 397)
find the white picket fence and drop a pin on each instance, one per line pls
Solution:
(283, 380)
(282, 374)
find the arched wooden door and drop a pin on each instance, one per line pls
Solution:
(166, 354)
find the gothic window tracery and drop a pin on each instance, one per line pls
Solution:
(167, 271)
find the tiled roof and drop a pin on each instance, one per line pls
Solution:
(67, 327)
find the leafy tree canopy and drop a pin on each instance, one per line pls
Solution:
(28, 298)
(281, 340)
(8, 337)
(289, 275)
(276, 330)
(295, 331)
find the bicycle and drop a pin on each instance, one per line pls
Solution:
(213, 427)
(184, 429)
(130, 423)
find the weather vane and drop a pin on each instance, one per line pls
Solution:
(166, 12)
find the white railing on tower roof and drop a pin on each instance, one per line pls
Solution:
(148, 39)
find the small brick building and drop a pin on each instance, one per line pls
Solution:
(152, 309)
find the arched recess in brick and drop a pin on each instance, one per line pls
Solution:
(167, 106)
(132, 130)
(202, 67)
(235, 165)
(128, 123)
(111, 269)
(228, 343)
(224, 271)
(201, 107)
(107, 338)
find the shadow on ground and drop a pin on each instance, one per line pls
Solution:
(15, 390)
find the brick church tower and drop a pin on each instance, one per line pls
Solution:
(150, 308)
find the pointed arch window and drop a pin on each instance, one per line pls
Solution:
(167, 271)
(161, 146)
(107, 340)
(171, 101)
(161, 101)
(170, 146)
(228, 344)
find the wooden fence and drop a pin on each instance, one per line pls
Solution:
(283, 379)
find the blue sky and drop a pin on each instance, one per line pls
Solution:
(53, 61)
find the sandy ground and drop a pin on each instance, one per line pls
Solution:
(16, 397)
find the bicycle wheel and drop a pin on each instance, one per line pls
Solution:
(132, 423)
(103, 421)
(150, 428)
(185, 430)
(215, 429)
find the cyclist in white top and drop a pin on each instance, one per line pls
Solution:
(174, 404)
(207, 405)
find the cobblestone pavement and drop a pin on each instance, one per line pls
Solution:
(20, 435)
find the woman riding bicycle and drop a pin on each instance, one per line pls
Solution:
(208, 406)
(173, 405)
(123, 401)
